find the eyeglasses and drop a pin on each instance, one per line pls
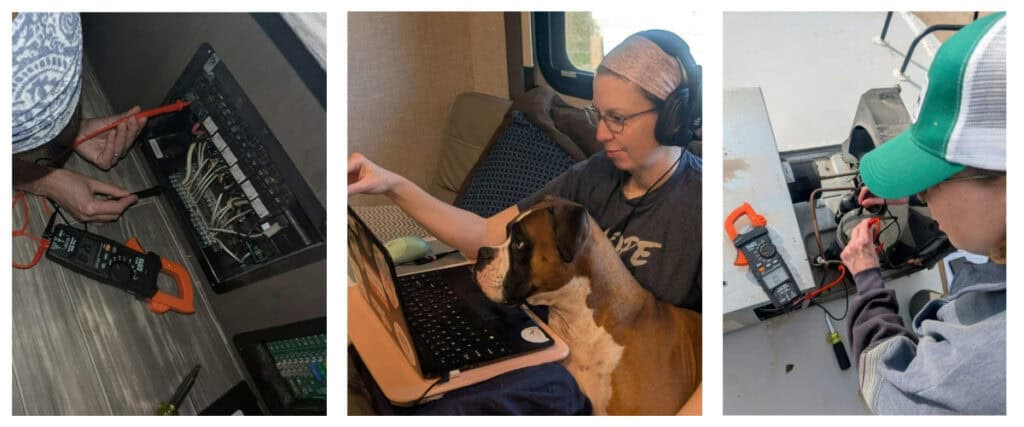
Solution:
(921, 195)
(616, 123)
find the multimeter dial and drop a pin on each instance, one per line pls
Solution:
(767, 266)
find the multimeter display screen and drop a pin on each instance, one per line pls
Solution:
(776, 277)
(87, 249)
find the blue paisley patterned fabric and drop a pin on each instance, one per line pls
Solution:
(47, 76)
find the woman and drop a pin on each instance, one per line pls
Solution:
(953, 359)
(644, 190)
(47, 75)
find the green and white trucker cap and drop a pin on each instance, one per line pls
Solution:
(961, 121)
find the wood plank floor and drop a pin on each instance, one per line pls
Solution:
(81, 347)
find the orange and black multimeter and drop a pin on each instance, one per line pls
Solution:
(124, 266)
(756, 249)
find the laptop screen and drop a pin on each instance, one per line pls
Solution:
(372, 269)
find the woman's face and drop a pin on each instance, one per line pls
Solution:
(635, 147)
(971, 213)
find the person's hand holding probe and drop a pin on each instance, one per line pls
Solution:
(860, 254)
(77, 195)
(106, 149)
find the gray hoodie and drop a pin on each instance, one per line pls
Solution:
(952, 360)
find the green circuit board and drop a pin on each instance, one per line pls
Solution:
(302, 362)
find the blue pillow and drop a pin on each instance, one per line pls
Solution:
(518, 164)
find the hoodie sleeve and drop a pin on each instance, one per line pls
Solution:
(874, 313)
(948, 368)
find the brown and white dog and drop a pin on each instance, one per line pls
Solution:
(629, 353)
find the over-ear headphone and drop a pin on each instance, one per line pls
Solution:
(680, 115)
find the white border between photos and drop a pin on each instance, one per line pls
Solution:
(337, 196)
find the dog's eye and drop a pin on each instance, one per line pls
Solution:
(517, 245)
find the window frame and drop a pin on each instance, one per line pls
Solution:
(553, 58)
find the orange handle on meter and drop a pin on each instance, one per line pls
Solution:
(162, 302)
(730, 226)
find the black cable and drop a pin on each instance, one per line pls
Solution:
(56, 209)
(442, 380)
(846, 294)
(886, 214)
(643, 197)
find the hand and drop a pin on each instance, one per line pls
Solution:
(867, 199)
(365, 177)
(106, 149)
(859, 253)
(76, 195)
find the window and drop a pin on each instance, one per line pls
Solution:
(570, 45)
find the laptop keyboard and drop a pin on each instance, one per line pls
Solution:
(443, 323)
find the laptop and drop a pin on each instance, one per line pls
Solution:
(439, 318)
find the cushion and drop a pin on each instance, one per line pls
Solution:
(471, 124)
(521, 160)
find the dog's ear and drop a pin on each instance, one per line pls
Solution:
(571, 225)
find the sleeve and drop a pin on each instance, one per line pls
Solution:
(901, 373)
(874, 313)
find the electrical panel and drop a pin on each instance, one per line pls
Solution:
(248, 211)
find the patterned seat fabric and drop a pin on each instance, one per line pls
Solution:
(519, 163)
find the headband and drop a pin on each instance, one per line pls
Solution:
(640, 61)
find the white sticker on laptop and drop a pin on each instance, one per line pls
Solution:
(534, 334)
(156, 148)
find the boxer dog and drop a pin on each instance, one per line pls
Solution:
(629, 353)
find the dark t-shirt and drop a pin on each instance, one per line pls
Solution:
(661, 243)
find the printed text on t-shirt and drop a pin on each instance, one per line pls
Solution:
(642, 248)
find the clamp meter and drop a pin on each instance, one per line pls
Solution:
(756, 249)
(124, 266)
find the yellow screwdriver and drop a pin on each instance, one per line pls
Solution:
(171, 408)
(837, 345)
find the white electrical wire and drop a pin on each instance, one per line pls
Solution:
(235, 218)
(222, 212)
(218, 210)
(198, 176)
(215, 210)
(201, 179)
(224, 230)
(210, 180)
(202, 152)
(225, 247)
(188, 163)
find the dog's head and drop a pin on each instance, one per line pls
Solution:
(541, 253)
